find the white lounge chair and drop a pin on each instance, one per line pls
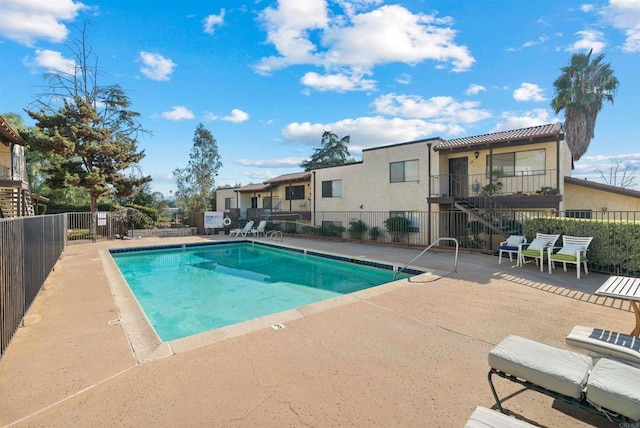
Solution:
(604, 385)
(574, 251)
(260, 230)
(243, 231)
(605, 342)
(487, 418)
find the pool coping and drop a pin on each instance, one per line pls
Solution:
(147, 346)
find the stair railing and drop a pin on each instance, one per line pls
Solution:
(455, 262)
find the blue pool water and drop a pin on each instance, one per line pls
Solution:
(185, 291)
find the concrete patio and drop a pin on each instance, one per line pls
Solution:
(405, 354)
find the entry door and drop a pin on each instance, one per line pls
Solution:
(459, 176)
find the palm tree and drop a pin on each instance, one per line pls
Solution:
(580, 90)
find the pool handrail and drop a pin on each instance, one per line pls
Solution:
(274, 234)
(455, 266)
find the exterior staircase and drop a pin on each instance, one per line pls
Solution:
(487, 211)
(15, 202)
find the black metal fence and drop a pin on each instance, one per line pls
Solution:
(30, 247)
(615, 248)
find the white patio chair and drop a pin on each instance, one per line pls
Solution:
(574, 251)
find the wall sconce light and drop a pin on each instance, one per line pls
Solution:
(604, 209)
(476, 154)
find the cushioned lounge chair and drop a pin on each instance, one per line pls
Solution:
(487, 418)
(510, 246)
(246, 229)
(537, 249)
(604, 385)
(574, 251)
(604, 342)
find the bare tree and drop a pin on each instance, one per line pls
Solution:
(619, 174)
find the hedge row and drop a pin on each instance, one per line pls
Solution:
(615, 247)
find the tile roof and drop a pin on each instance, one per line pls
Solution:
(296, 176)
(523, 134)
(253, 188)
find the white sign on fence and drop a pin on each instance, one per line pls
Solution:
(102, 219)
(213, 220)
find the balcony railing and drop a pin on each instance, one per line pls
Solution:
(5, 172)
(525, 183)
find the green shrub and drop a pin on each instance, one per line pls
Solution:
(334, 230)
(375, 233)
(152, 213)
(397, 227)
(615, 246)
(357, 228)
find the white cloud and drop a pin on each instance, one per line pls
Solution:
(178, 113)
(588, 40)
(354, 43)
(394, 34)
(625, 15)
(368, 132)
(529, 92)
(155, 66)
(212, 20)
(404, 79)
(337, 82)
(475, 89)
(236, 116)
(27, 21)
(437, 109)
(534, 117)
(288, 29)
(588, 165)
(271, 163)
(53, 61)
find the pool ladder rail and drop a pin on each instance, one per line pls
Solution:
(455, 265)
(274, 234)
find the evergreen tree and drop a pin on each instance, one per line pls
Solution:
(333, 152)
(196, 182)
(580, 91)
(91, 140)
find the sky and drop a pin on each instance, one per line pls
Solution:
(268, 77)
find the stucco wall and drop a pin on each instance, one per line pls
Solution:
(578, 197)
(221, 195)
(366, 185)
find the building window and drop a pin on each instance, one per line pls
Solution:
(413, 217)
(404, 171)
(227, 203)
(294, 192)
(579, 213)
(254, 202)
(332, 189)
(530, 162)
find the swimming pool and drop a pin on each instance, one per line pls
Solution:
(192, 288)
